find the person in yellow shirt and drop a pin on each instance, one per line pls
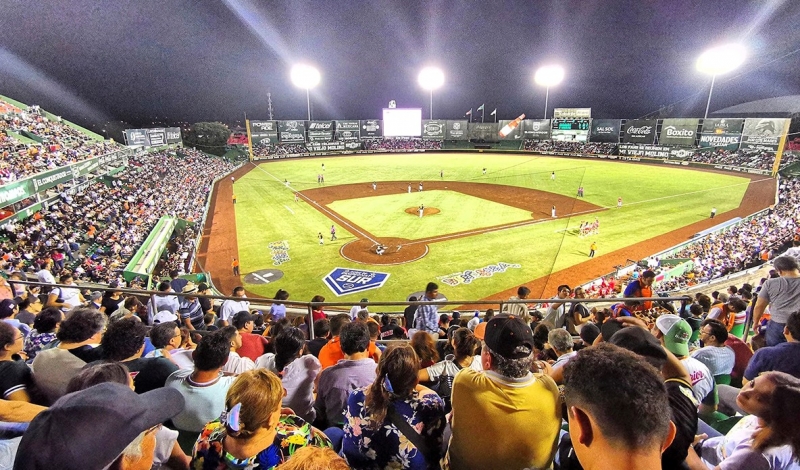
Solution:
(592, 249)
(519, 408)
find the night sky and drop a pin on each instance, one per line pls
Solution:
(179, 60)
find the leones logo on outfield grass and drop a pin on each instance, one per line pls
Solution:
(343, 281)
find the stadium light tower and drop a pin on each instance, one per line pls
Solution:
(547, 76)
(720, 60)
(431, 78)
(305, 76)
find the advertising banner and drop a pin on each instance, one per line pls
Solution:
(174, 135)
(320, 131)
(722, 133)
(536, 129)
(264, 132)
(565, 113)
(762, 134)
(486, 131)
(643, 150)
(347, 130)
(605, 130)
(679, 132)
(515, 134)
(640, 131)
(137, 137)
(333, 146)
(291, 131)
(456, 130)
(371, 128)
(157, 137)
(433, 129)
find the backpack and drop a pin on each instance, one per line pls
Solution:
(444, 386)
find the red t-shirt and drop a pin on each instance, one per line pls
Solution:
(253, 346)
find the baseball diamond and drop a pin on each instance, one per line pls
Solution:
(502, 216)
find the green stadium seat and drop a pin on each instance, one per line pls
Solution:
(723, 379)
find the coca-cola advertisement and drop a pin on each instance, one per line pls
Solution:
(640, 131)
(679, 132)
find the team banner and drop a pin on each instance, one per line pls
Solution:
(536, 129)
(515, 134)
(722, 133)
(456, 130)
(679, 132)
(347, 130)
(762, 134)
(291, 131)
(320, 131)
(433, 129)
(486, 131)
(371, 128)
(264, 132)
(566, 113)
(644, 150)
(174, 135)
(605, 130)
(640, 131)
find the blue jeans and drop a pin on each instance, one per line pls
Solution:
(774, 333)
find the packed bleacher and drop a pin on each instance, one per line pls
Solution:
(402, 144)
(760, 159)
(99, 229)
(60, 143)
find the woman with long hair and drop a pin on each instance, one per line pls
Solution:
(465, 347)
(16, 374)
(395, 422)
(253, 432)
(769, 437)
(44, 331)
(425, 348)
(297, 371)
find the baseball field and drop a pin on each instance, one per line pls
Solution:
(481, 233)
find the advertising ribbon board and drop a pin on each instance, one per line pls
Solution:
(325, 146)
(456, 130)
(515, 134)
(371, 128)
(433, 129)
(679, 132)
(264, 132)
(722, 133)
(320, 131)
(536, 129)
(291, 131)
(640, 131)
(347, 130)
(605, 130)
(762, 134)
(486, 131)
(643, 150)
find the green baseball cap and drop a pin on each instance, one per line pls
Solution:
(676, 333)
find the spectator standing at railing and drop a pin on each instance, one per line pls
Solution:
(427, 318)
(642, 287)
(782, 294)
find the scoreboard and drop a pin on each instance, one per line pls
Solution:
(575, 124)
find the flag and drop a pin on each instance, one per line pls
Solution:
(468, 113)
(493, 112)
(480, 108)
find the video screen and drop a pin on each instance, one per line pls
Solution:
(399, 122)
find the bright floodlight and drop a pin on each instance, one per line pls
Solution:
(721, 59)
(305, 76)
(431, 78)
(549, 75)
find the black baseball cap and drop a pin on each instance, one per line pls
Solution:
(509, 337)
(640, 341)
(89, 429)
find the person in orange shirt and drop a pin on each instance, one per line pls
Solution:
(332, 352)
(642, 287)
(235, 266)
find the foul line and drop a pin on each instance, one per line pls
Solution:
(322, 208)
(694, 192)
(287, 208)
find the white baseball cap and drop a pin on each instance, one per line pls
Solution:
(164, 316)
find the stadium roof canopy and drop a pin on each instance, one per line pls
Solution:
(782, 106)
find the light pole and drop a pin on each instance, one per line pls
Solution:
(547, 76)
(431, 78)
(305, 76)
(719, 60)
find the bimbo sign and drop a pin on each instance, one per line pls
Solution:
(344, 281)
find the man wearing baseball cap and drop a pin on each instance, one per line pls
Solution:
(97, 427)
(506, 399)
(674, 333)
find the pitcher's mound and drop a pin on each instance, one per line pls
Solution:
(427, 211)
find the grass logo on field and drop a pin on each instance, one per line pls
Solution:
(466, 277)
(280, 252)
(343, 281)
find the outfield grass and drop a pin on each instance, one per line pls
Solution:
(385, 216)
(656, 200)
